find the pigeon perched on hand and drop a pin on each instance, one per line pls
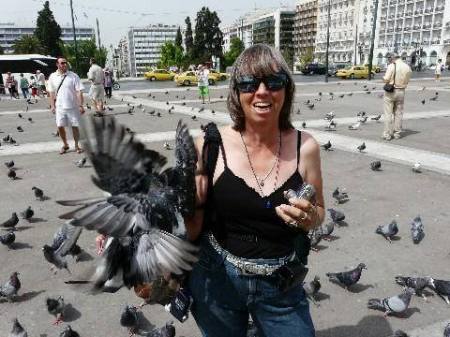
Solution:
(145, 209)
(417, 231)
(56, 308)
(396, 304)
(38, 193)
(27, 214)
(441, 288)
(11, 222)
(129, 319)
(339, 196)
(17, 329)
(417, 283)
(10, 288)
(8, 239)
(375, 165)
(312, 288)
(168, 330)
(347, 278)
(68, 332)
(388, 231)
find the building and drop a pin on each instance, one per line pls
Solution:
(121, 58)
(144, 46)
(305, 27)
(9, 33)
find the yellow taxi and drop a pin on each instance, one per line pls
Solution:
(219, 76)
(375, 68)
(190, 78)
(159, 75)
(354, 72)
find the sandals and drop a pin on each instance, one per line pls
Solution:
(79, 150)
(63, 150)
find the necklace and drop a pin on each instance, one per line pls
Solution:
(259, 181)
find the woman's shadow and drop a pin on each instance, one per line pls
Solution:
(369, 326)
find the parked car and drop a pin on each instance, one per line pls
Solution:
(354, 72)
(375, 68)
(189, 78)
(159, 75)
(334, 68)
(219, 76)
(314, 68)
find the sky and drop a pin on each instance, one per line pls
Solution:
(116, 16)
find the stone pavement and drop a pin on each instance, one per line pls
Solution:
(376, 198)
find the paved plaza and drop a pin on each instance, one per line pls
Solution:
(394, 192)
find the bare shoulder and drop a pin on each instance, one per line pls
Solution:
(309, 144)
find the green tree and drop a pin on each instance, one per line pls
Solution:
(179, 39)
(188, 39)
(27, 44)
(236, 48)
(171, 55)
(86, 49)
(2, 51)
(48, 32)
(288, 55)
(208, 36)
(306, 57)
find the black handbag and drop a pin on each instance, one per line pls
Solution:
(390, 87)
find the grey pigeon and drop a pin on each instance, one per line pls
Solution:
(388, 231)
(396, 304)
(376, 118)
(68, 332)
(361, 147)
(38, 193)
(347, 278)
(340, 196)
(10, 288)
(27, 214)
(9, 164)
(146, 206)
(417, 231)
(129, 319)
(312, 288)
(327, 230)
(447, 330)
(80, 163)
(8, 239)
(417, 283)
(17, 330)
(327, 146)
(64, 243)
(12, 174)
(11, 222)
(168, 330)
(56, 308)
(315, 237)
(336, 216)
(375, 165)
(441, 288)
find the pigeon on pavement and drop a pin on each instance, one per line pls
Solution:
(347, 278)
(8, 239)
(10, 288)
(336, 216)
(68, 332)
(396, 304)
(9, 164)
(327, 146)
(376, 118)
(361, 147)
(441, 288)
(80, 163)
(417, 168)
(56, 308)
(168, 330)
(11, 222)
(315, 237)
(38, 193)
(27, 214)
(447, 330)
(417, 231)
(375, 165)
(130, 319)
(340, 197)
(17, 329)
(417, 283)
(12, 174)
(312, 288)
(327, 230)
(388, 231)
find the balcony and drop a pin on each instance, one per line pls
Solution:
(407, 28)
(436, 42)
(437, 25)
(429, 10)
(447, 41)
(439, 8)
(418, 11)
(427, 26)
(408, 13)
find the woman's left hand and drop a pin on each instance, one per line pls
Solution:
(299, 213)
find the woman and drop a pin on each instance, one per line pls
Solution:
(242, 217)
(108, 83)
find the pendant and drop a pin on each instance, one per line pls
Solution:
(268, 204)
(261, 183)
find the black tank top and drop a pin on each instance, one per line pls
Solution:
(244, 225)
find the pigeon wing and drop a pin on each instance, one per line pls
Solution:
(396, 304)
(71, 233)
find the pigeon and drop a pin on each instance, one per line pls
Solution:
(134, 96)
(312, 288)
(388, 231)
(417, 168)
(201, 109)
(376, 118)
(329, 116)
(363, 119)
(80, 163)
(27, 214)
(88, 106)
(396, 304)
(354, 126)
(19, 129)
(30, 119)
(361, 114)
(340, 197)
(315, 237)
(347, 278)
(194, 117)
(12, 174)
(10, 288)
(167, 92)
(417, 231)
(375, 165)
(310, 106)
(327, 230)
(304, 125)
(64, 243)
(336, 216)
(331, 126)
(8, 239)
(417, 283)
(109, 108)
(20, 115)
(447, 330)
(341, 96)
(68, 332)
(435, 98)
(327, 146)
(361, 147)
(441, 288)
(11, 222)
(167, 146)
(308, 101)
(423, 101)
(9, 164)
(129, 319)
(399, 333)
(350, 94)
(17, 329)
(168, 330)
(144, 213)
(56, 308)
(38, 193)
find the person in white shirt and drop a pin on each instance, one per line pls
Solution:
(40, 79)
(438, 71)
(97, 91)
(203, 82)
(66, 102)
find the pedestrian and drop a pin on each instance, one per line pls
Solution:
(203, 82)
(108, 82)
(438, 71)
(24, 87)
(96, 92)
(10, 84)
(40, 79)
(398, 74)
(66, 102)
(34, 88)
(245, 227)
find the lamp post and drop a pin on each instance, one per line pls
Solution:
(372, 38)
(328, 40)
(74, 36)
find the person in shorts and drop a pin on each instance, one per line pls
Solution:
(97, 91)
(203, 83)
(40, 79)
(66, 102)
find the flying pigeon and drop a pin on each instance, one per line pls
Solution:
(375, 165)
(396, 304)
(388, 231)
(145, 209)
(56, 308)
(417, 283)
(10, 288)
(417, 231)
(17, 329)
(347, 278)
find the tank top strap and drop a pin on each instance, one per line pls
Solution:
(299, 144)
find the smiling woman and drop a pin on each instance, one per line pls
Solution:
(254, 241)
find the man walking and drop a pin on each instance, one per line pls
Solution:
(203, 82)
(398, 73)
(40, 79)
(438, 71)
(66, 102)
(97, 91)
(24, 87)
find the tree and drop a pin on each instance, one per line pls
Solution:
(179, 39)
(171, 55)
(188, 39)
(86, 50)
(208, 36)
(27, 44)
(236, 48)
(306, 57)
(2, 51)
(48, 32)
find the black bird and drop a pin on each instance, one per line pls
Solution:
(423, 101)
(376, 118)
(64, 243)
(30, 119)
(146, 202)
(20, 115)
(340, 197)
(447, 330)
(129, 319)
(38, 193)
(417, 283)
(11, 222)
(168, 330)
(9, 164)
(158, 114)
(304, 125)
(56, 308)
(347, 278)
(375, 165)
(12, 174)
(362, 147)
(194, 117)
(435, 98)
(441, 288)
(417, 231)
(312, 288)
(388, 231)
(27, 214)
(19, 128)
(133, 96)
(10, 288)
(80, 163)
(17, 329)
(68, 332)
(336, 216)
(8, 239)
(327, 146)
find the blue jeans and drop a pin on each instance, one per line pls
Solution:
(224, 297)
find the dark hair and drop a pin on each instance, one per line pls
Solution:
(259, 60)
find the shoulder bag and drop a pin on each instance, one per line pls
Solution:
(390, 87)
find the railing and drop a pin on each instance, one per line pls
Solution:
(436, 42)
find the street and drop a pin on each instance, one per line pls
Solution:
(376, 198)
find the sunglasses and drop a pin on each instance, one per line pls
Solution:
(62, 62)
(250, 83)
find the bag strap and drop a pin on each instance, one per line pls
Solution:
(395, 70)
(60, 84)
